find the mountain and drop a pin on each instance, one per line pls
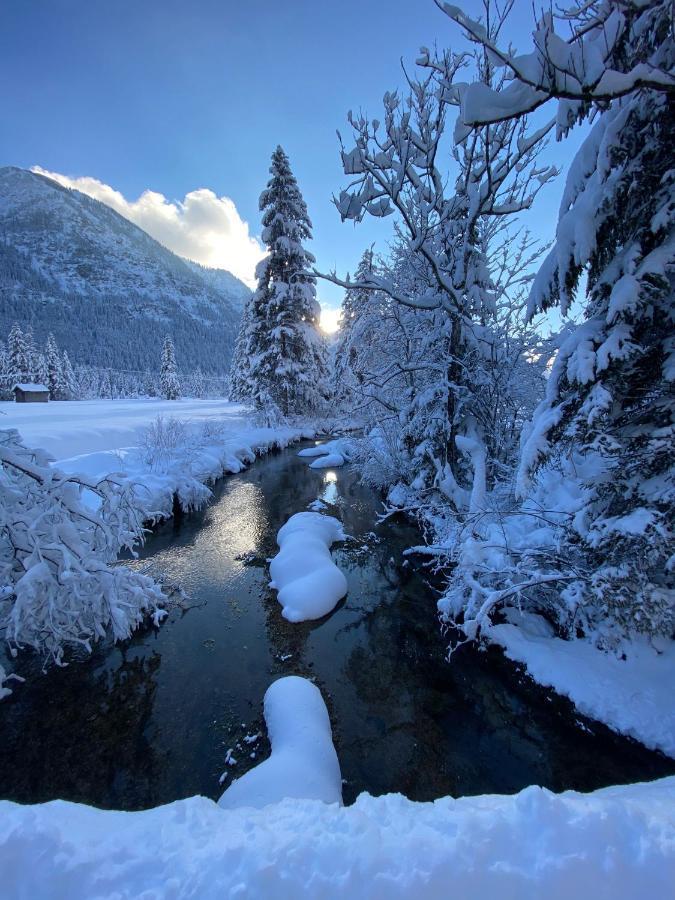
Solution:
(107, 290)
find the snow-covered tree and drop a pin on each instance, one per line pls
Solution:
(239, 387)
(18, 353)
(350, 340)
(54, 369)
(280, 360)
(57, 589)
(449, 236)
(605, 427)
(168, 375)
(69, 384)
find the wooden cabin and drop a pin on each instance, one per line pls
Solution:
(31, 393)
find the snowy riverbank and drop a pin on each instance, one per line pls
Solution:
(615, 843)
(95, 438)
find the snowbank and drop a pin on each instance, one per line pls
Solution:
(617, 843)
(303, 764)
(633, 696)
(330, 454)
(303, 572)
(99, 437)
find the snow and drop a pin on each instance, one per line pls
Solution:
(303, 764)
(330, 454)
(32, 387)
(633, 696)
(329, 461)
(98, 437)
(303, 572)
(615, 843)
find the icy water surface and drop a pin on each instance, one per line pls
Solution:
(151, 721)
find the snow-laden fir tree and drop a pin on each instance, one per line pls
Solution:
(606, 425)
(168, 375)
(69, 385)
(19, 363)
(350, 341)
(54, 369)
(280, 360)
(239, 380)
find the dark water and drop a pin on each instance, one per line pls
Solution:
(151, 721)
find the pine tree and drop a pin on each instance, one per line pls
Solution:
(19, 364)
(239, 377)
(69, 385)
(280, 363)
(356, 301)
(170, 386)
(54, 370)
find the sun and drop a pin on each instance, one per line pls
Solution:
(330, 319)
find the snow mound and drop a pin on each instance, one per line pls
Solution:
(329, 455)
(303, 764)
(303, 572)
(633, 696)
(329, 461)
(616, 843)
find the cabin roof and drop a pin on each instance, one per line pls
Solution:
(33, 388)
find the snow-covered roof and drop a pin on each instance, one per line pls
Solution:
(32, 387)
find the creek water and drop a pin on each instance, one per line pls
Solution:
(151, 720)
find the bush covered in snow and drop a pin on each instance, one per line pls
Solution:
(58, 534)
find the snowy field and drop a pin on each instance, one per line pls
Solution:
(140, 440)
(70, 429)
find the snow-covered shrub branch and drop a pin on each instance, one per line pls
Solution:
(58, 534)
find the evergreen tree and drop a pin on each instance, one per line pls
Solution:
(239, 377)
(198, 384)
(54, 372)
(168, 376)
(19, 364)
(69, 386)
(280, 363)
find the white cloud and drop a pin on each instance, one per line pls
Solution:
(202, 227)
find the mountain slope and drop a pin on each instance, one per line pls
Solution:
(107, 290)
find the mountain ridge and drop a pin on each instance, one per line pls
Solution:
(108, 291)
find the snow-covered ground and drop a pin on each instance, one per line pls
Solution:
(614, 844)
(98, 437)
(632, 695)
(303, 572)
(70, 429)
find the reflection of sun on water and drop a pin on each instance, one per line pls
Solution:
(330, 492)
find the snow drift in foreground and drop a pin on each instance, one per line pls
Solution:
(303, 764)
(633, 696)
(616, 843)
(329, 455)
(303, 572)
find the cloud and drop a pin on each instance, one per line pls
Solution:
(202, 227)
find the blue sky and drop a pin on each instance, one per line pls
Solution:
(175, 96)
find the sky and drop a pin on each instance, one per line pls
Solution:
(169, 110)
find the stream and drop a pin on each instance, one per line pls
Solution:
(151, 720)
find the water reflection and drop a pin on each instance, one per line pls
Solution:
(150, 721)
(330, 491)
